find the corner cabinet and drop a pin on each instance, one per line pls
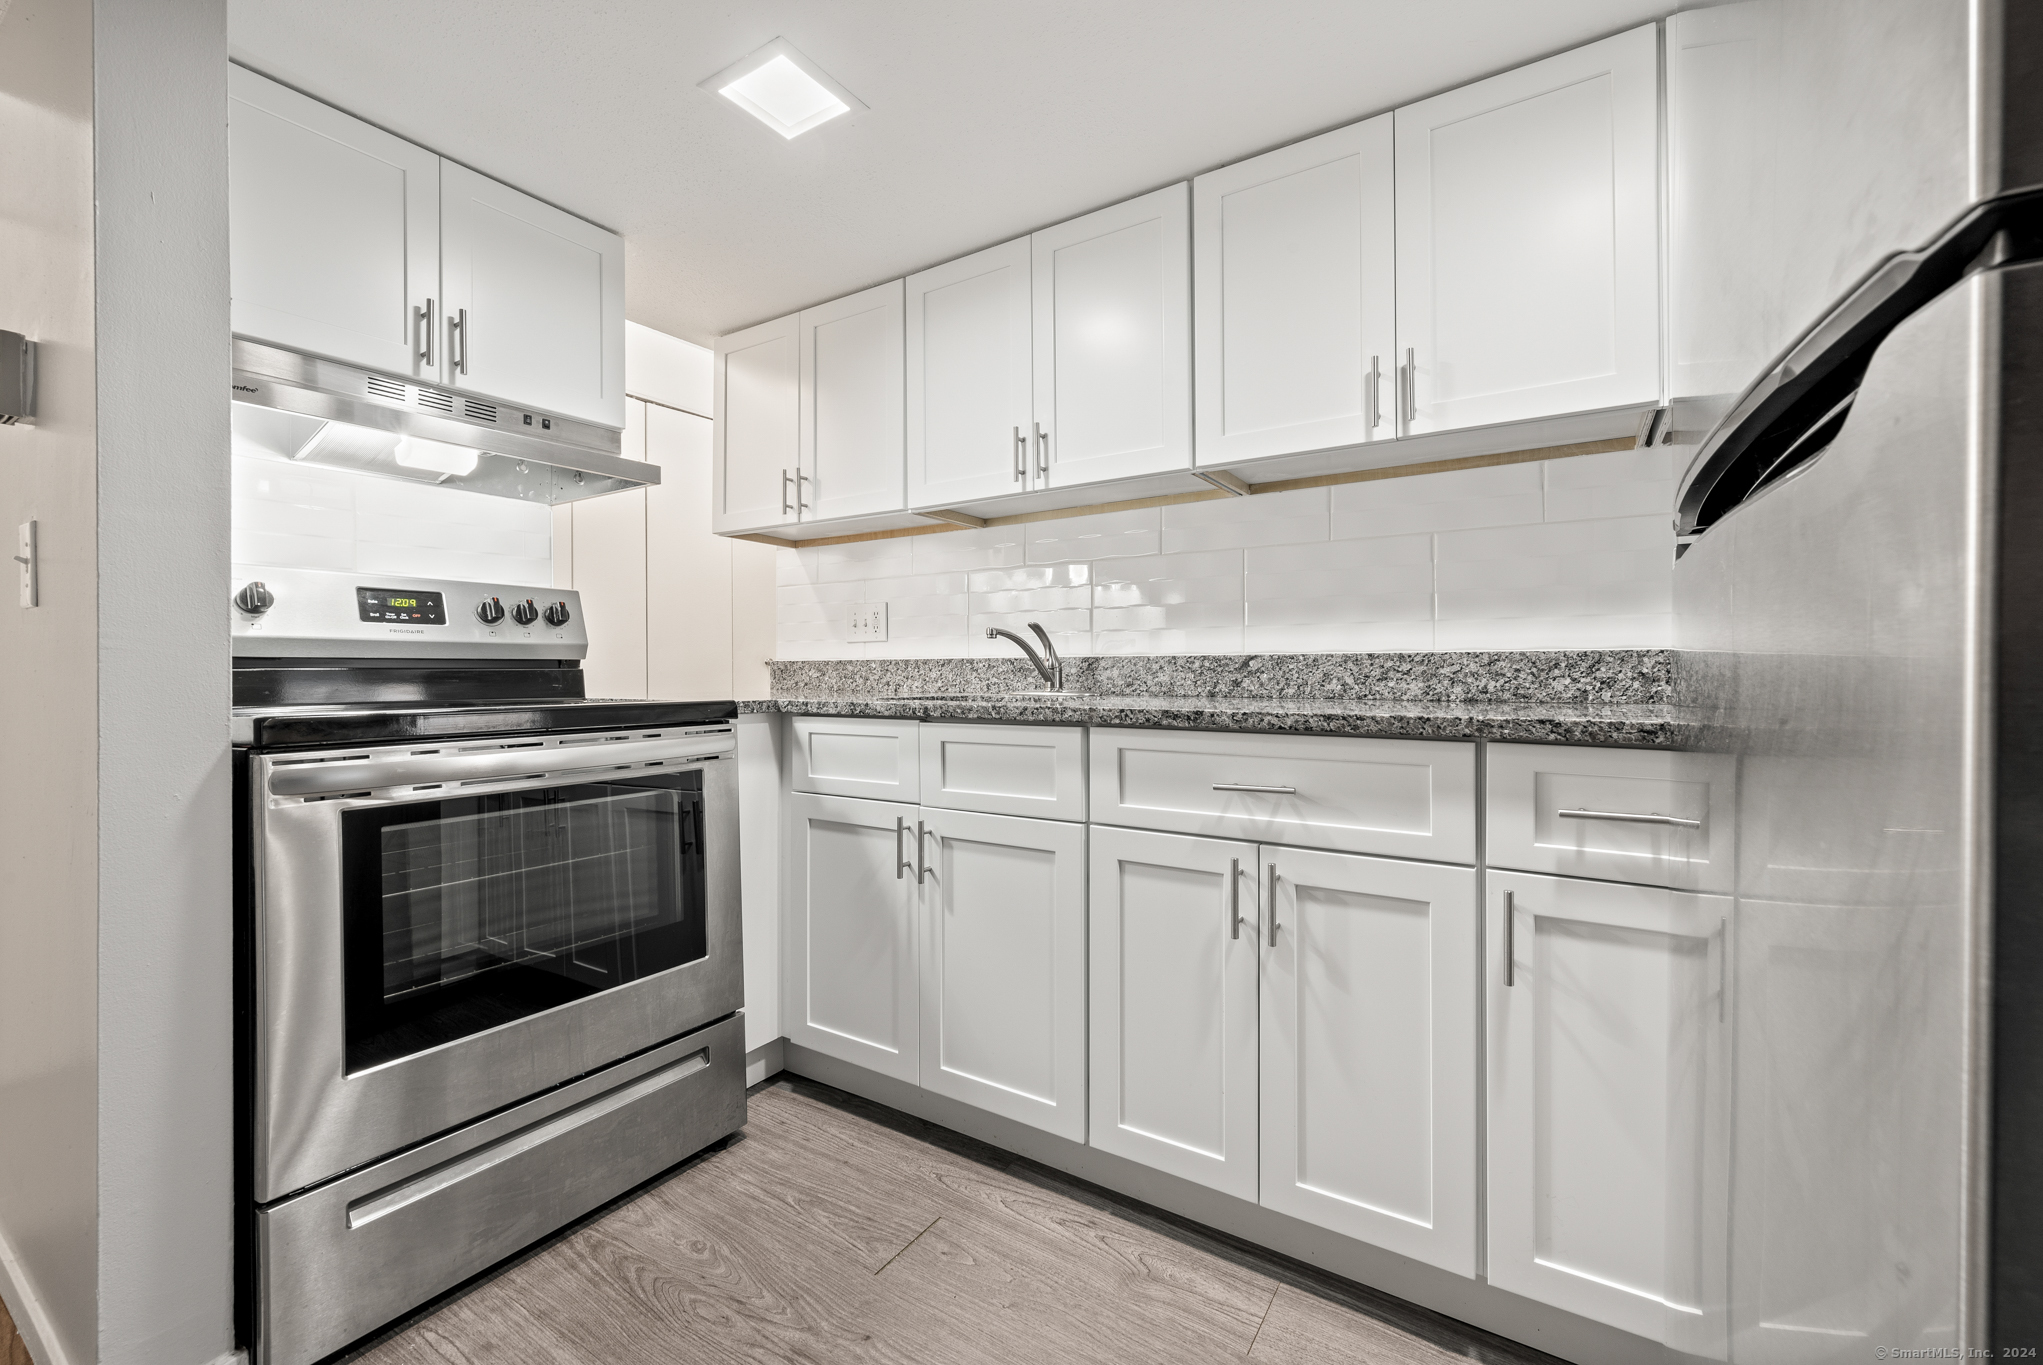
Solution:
(1528, 242)
(1294, 260)
(348, 242)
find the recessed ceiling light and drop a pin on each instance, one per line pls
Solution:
(783, 89)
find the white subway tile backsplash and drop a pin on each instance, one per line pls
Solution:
(1107, 535)
(1498, 495)
(1574, 553)
(1231, 523)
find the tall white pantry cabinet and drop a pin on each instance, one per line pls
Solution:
(349, 242)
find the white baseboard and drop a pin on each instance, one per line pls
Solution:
(31, 1319)
(1472, 1301)
(768, 1059)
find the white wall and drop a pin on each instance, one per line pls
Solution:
(49, 739)
(1562, 554)
(164, 881)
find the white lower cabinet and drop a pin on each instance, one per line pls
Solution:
(850, 990)
(1369, 1065)
(1173, 978)
(1003, 966)
(1607, 1107)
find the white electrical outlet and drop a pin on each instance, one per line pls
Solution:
(868, 622)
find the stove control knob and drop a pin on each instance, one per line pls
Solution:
(557, 614)
(524, 613)
(255, 599)
(489, 611)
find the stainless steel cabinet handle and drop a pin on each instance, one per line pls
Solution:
(457, 326)
(1270, 901)
(921, 863)
(1021, 456)
(1408, 389)
(786, 498)
(1509, 915)
(1042, 452)
(1654, 818)
(1234, 898)
(1372, 417)
(900, 863)
(422, 330)
(800, 505)
(1254, 787)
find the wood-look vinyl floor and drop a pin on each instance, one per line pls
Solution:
(12, 1350)
(836, 1230)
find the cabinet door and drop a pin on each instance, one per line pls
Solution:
(334, 231)
(535, 300)
(1003, 966)
(1294, 273)
(1528, 240)
(1113, 341)
(1607, 1188)
(758, 425)
(969, 377)
(850, 989)
(851, 453)
(1369, 1050)
(1173, 989)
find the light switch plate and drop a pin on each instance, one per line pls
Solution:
(868, 622)
(25, 559)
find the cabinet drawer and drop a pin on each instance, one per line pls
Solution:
(1400, 797)
(851, 756)
(1036, 770)
(1628, 815)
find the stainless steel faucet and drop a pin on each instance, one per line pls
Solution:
(1047, 663)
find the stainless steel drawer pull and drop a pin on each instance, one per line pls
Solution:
(1234, 898)
(1021, 456)
(1270, 903)
(1254, 787)
(368, 1210)
(1654, 818)
(424, 318)
(1510, 937)
(1372, 388)
(901, 864)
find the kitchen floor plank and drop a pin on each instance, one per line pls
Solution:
(838, 1232)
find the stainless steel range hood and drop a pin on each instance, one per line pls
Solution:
(301, 407)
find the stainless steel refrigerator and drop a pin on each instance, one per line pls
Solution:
(1856, 363)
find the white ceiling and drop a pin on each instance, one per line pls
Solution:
(986, 119)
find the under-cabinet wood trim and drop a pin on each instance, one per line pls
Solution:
(1401, 471)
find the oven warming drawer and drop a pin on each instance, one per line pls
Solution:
(341, 1260)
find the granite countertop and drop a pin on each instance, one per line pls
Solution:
(1635, 724)
(1604, 697)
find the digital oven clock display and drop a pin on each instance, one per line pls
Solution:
(401, 606)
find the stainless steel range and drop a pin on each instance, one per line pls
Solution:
(491, 959)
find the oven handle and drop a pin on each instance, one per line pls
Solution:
(553, 760)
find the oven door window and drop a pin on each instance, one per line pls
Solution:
(473, 911)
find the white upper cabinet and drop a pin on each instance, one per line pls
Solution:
(1528, 278)
(334, 229)
(851, 441)
(970, 396)
(1369, 1056)
(348, 242)
(1294, 271)
(1113, 342)
(758, 385)
(535, 300)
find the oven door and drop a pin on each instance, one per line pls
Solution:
(445, 931)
